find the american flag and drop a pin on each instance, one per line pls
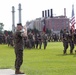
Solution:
(73, 19)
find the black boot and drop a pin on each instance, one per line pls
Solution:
(18, 72)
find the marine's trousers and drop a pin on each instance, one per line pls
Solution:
(45, 44)
(65, 44)
(71, 47)
(19, 59)
(40, 44)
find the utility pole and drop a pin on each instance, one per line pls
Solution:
(13, 19)
(20, 13)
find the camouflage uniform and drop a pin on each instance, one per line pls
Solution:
(65, 41)
(71, 42)
(36, 40)
(30, 39)
(18, 42)
(40, 41)
(74, 37)
(45, 40)
(8, 40)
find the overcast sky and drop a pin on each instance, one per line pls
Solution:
(32, 9)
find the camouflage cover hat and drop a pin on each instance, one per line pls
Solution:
(19, 24)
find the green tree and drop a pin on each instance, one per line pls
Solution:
(1, 27)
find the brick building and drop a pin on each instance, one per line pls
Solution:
(54, 23)
(57, 23)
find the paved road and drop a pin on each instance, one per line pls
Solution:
(8, 72)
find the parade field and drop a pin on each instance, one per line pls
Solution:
(41, 62)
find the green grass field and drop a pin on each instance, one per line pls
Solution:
(41, 62)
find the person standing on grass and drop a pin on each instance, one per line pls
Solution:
(45, 37)
(71, 42)
(65, 40)
(74, 39)
(19, 45)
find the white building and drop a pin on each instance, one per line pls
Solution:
(35, 24)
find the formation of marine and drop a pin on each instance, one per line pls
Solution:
(69, 39)
(35, 40)
(31, 41)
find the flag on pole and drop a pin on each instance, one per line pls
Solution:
(73, 19)
(44, 29)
